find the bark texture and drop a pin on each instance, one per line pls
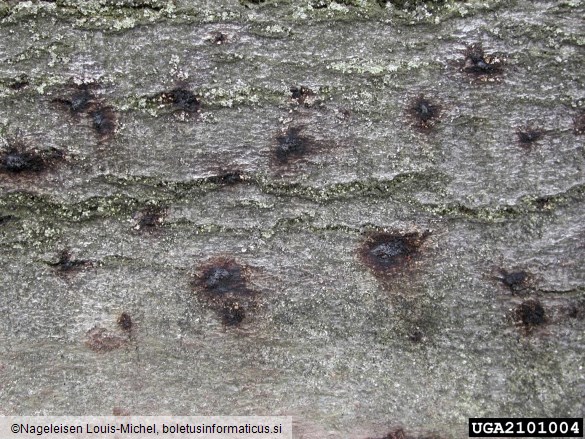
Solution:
(367, 215)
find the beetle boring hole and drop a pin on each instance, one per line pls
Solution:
(480, 65)
(253, 2)
(219, 38)
(416, 336)
(424, 112)
(385, 253)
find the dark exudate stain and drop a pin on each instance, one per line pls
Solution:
(67, 265)
(479, 64)
(223, 283)
(18, 158)
(125, 322)
(424, 112)
(150, 218)
(220, 278)
(385, 253)
(16, 161)
(530, 314)
(529, 135)
(579, 123)
(182, 99)
(227, 178)
(292, 146)
(232, 313)
(517, 280)
(103, 120)
(83, 101)
(80, 101)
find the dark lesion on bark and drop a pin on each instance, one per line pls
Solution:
(482, 66)
(517, 280)
(424, 112)
(83, 100)
(150, 218)
(67, 265)
(529, 315)
(387, 253)
(181, 99)
(18, 158)
(529, 135)
(222, 283)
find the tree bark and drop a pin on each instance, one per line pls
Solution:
(365, 215)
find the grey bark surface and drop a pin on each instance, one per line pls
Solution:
(346, 352)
